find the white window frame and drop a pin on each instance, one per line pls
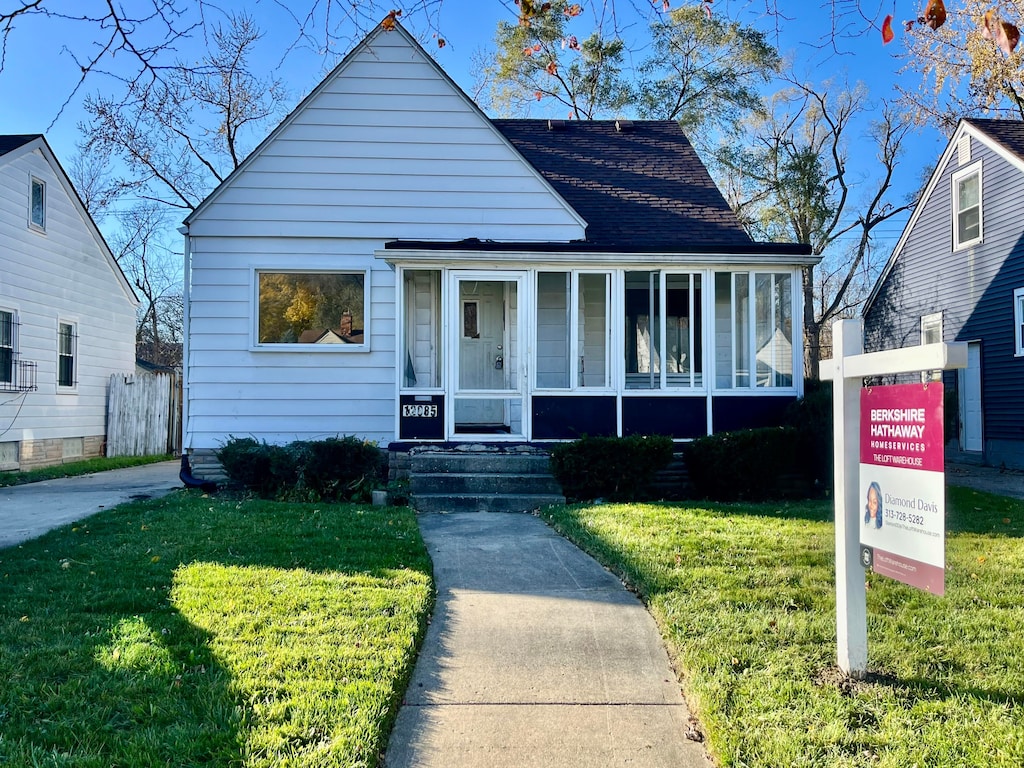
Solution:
(957, 178)
(1018, 321)
(929, 323)
(663, 380)
(61, 322)
(256, 346)
(11, 375)
(749, 333)
(39, 226)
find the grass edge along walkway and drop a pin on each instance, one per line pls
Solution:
(192, 629)
(744, 597)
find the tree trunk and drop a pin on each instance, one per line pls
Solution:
(812, 328)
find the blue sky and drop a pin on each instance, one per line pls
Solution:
(39, 75)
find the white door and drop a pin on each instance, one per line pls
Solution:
(969, 386)
(488, 388)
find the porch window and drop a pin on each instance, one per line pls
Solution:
(311, 308)
(572, 355)
(421, 343)
(753, 329)
(663, 330)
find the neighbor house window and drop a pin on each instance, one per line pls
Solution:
(663, 330)
(6, 347)
(931, 333)
(967, 206)
(314, 308)
(1018, 319)
(754, 329)
(66, 343)
(37, 205)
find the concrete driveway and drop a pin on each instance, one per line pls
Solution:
(30, 510)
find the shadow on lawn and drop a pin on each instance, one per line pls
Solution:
(100, 664)
(967, 511)
(913, 689)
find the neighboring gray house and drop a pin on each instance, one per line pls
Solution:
(500, 280)
(957, 274)
(67, 314)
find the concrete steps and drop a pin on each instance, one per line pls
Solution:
(481, 479)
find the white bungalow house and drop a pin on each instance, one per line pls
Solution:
(480, 280)
(67, 314)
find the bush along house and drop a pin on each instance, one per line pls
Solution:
(391, 263)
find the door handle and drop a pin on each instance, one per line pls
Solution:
(499, 363)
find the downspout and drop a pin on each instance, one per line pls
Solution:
(186, 296)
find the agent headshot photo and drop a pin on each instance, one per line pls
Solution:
(873, 509)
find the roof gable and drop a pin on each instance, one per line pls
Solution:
(11, 142)
(14, 146)
(1004, 137)
(388, 110)
(639, 184)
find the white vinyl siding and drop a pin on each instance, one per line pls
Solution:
(65, 276)
(386, 149)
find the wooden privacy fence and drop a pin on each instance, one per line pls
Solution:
(144, 414)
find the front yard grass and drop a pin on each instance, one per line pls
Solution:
(74, 468)
(744, 595)
(193, 630)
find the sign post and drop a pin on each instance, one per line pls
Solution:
(847, 369)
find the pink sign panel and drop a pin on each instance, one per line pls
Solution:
(901, 426)
(902, 484)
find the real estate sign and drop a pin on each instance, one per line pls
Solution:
(902, 484)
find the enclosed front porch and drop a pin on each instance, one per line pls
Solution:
(554, 350)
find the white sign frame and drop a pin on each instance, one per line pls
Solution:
(847, 370)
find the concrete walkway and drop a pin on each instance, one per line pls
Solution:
(1003, 482)
(536, 656)
(30, 510)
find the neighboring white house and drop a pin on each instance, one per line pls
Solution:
(500, 280)
(67, 314)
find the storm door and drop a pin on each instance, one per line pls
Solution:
(488, 397)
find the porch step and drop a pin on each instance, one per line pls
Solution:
(481, 479)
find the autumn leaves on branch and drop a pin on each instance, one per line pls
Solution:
(1005, 35)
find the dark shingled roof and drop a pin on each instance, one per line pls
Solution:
(1009, 133)
(11, 142)
(639, 189)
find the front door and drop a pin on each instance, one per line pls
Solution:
(969, 384)
(488, 378)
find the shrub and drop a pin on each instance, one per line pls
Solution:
(750, 465)
(615, 468)
(811, 415)
(258, 467)
(336, 469)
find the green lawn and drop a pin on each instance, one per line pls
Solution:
(192, 630)
(744, 595)
(84, 467)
